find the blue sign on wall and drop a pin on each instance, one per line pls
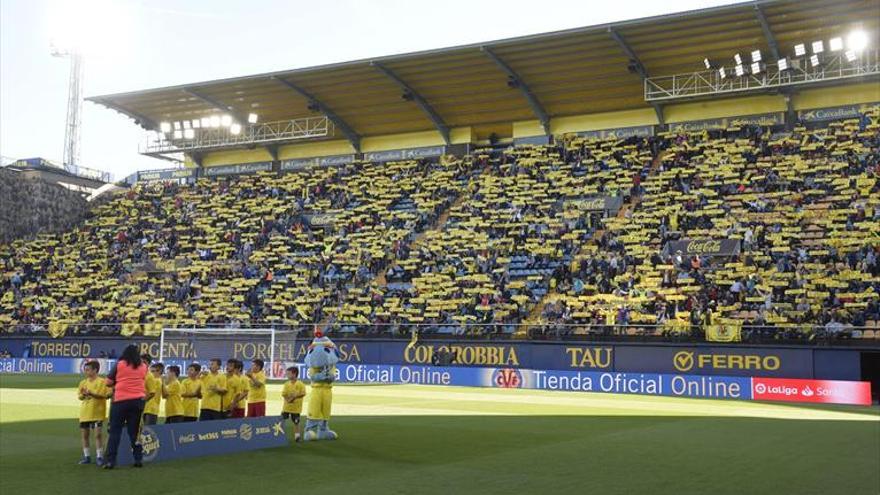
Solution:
(727, 360)
(184, 440)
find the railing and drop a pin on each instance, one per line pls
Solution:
(814, 335)
(801, 71)
(222, 137)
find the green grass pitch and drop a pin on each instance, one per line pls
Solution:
(412, 439)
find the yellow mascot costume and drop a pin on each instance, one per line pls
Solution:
(321, 360)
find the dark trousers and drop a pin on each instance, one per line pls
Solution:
(150, 419)
(173, 419)
(210, 415)
(125, 413)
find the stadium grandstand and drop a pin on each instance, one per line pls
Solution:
(556, 184)
(636, 257)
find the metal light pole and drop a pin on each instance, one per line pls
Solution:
(74, 108)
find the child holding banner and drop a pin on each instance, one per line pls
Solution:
(93, 394)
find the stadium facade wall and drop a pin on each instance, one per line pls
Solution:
(602, 121)
(851, 94)
(731, 107)
(726, 360)
(837, 96)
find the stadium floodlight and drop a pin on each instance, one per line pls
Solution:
(235, 129)
(722, 73)
(185, 124)
(818, 47)
(757, 67)
(177, 126)
(857, 41)
(165, 127)
(738, 59)
(226, 120)
(189, 134)
(178, 134)
(252, 118)
(800, 50)
(756, 56)
(215, 121)
(851, 56)
(206, 122)
(196, 123)
(782, 64)
(814, 61)
(707, 63)
(740, 70)
(835, 44)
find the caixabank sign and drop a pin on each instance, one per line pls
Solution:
(728, 360)
(184, 440)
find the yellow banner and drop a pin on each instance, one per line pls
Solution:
(723, 333)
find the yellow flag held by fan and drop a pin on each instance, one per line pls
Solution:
(724, 333)
(414, 339)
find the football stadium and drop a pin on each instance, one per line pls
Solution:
(639, 256)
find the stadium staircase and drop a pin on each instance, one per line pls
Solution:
(535, 315)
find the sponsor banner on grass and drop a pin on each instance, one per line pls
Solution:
(666, 384)
(168, 442)
(821, 391)
(719, 387)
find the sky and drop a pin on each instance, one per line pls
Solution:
(131, 45)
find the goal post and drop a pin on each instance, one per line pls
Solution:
(181, 345)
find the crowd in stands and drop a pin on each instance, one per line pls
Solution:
(259, 248)
(566, 237)
(804, 207)
(30, 206)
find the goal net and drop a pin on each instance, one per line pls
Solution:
(276, 347)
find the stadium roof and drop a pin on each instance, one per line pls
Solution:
(571, 72)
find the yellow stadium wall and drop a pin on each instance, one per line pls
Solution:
(320, 148)
(527, 128)
(399, 141)
(837, 96)
(605, 120)
(684, 112)
(236, 157)
(457, 135)
(732, 107)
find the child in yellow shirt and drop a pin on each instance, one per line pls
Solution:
(171, 392)
(293, 392)
(153, 399)
(93, 394)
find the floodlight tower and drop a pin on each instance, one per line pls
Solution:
(74, 107)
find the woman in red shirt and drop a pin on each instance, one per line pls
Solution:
(127, 378)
